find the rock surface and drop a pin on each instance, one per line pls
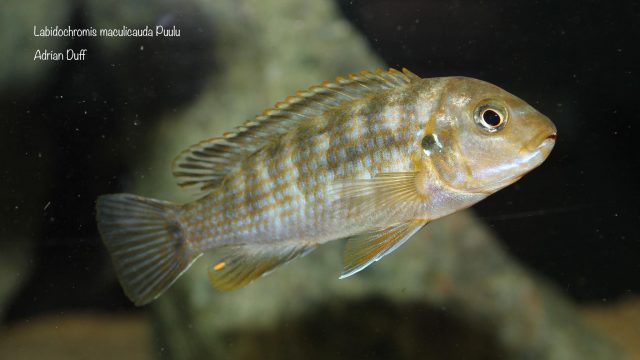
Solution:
(619, 321)
(78, 336)
(72, 336)
(14, 267)
(17, 19)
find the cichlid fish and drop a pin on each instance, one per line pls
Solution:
(371, 158)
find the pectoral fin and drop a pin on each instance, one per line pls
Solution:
(362, 250)
(237, 266)
(385, 190)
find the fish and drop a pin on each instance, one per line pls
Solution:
(371, 158)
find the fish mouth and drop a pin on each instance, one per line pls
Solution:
(537, 150)
(532, 154)
(540, 142)
(547, 143)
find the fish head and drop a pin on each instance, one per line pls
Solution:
(485, 138)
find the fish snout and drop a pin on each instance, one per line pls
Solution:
(541, 142)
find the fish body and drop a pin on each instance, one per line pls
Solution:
(372, 158)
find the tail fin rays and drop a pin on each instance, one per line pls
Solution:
(146, 242)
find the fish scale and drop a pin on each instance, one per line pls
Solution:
(307, 193)
(373, 158)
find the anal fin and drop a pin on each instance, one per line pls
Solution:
(365, 249)
(237, 266)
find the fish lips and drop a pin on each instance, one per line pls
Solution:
(535, 152)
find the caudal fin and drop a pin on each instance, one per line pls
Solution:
(146, 243)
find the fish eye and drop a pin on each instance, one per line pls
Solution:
(491, 117)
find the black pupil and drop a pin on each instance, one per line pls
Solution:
(428, 142)
(491, 118)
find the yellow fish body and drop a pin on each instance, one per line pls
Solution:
(373, 158)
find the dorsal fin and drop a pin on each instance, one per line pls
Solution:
(203, 165)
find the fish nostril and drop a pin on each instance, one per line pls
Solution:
(553, 136)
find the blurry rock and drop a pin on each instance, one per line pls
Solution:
(365, 328)
(619, 321)
(265, 51)
(14, 265)
(78, 336)
(17, 19)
